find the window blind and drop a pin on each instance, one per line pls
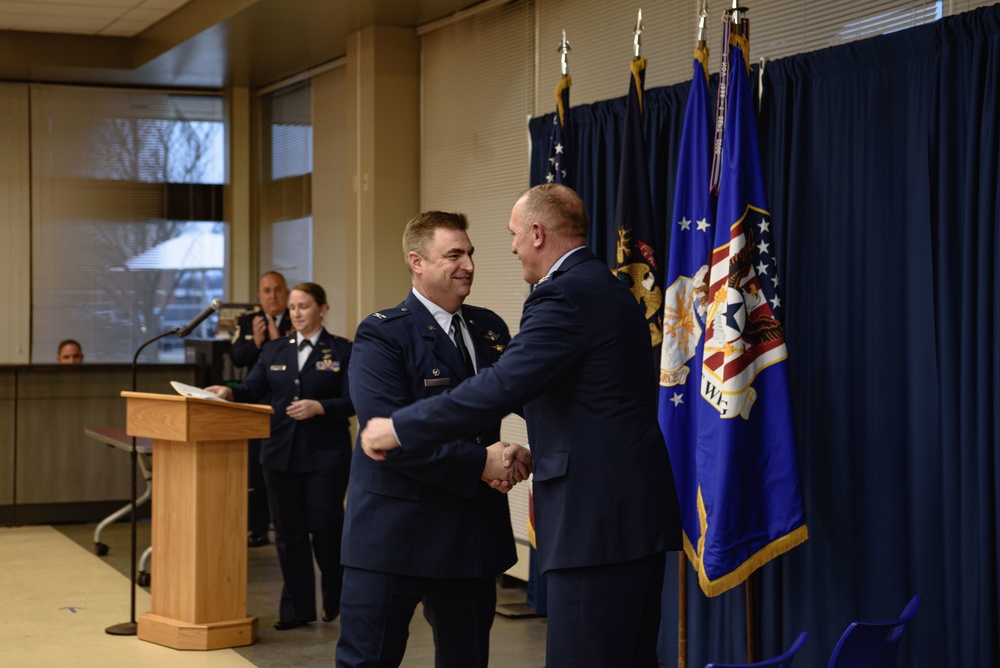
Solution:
(285, 193)
(15, 235)
(128, 238)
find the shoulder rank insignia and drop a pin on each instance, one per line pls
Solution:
(378, 315)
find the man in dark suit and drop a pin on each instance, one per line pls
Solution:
(424, 527)
(605, 503)
(253, 330)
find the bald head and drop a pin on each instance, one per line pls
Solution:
(547, 222)
(559, 209)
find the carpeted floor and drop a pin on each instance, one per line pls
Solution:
(57, 597)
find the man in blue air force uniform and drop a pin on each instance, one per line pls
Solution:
(605, 504)
(425, 527)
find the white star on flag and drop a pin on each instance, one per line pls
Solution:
(761, 268)
(762, 247)
(703, 225)
(684, 223)
(677, 399)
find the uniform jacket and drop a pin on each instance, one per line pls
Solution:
(580, 366)
(424, 514)
(320, 443)
(244, 352)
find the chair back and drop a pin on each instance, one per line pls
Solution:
(782, 661)
(872, 644)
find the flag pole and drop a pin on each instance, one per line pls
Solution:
(682, 613)
(637, 36)
(740, 25)
(564, 49)
(753, 651)
(682, 560)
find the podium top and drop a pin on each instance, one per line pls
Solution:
(259, 408)
(171, 417)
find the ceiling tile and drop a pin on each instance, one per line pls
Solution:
(169, 5)
(150, 16)
(124, 28)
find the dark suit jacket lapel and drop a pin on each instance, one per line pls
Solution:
(443, 347)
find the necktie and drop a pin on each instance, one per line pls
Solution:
(456, 328)
(303, 343)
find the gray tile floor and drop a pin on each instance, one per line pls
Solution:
(515, 642)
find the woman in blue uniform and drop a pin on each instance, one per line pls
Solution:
(307, 459)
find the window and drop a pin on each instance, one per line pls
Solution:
(286, 183)
(128, 236)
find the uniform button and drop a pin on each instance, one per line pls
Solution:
(295, 398)
(479, 440)
(296, 381)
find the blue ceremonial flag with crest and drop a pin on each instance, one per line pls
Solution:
(635, 262)
(725, 402)
(693, 227)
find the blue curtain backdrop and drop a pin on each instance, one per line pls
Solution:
(881, 162)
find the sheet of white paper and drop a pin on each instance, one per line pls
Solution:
(192, 391)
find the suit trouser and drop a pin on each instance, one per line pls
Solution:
(602, 616)
(304, 504)
(377, 609)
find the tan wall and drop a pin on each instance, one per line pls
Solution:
(48, 407)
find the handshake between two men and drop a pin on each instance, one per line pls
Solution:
(506, 463)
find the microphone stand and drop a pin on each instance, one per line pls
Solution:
(129, 628)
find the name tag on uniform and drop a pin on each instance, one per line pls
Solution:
(436, 382)
(277, 367)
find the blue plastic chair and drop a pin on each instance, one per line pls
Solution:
(872, 644)
(782, 661)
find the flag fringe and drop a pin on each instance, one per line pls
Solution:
(638, 66)
(744, 45)
(701, 55)
(737, 576)
(563, 84)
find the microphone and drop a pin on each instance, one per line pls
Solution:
(198, 319)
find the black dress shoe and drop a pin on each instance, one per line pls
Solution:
(285, 624)
(328, 617)
(257, 539)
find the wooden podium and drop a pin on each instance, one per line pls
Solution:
(199, 534)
